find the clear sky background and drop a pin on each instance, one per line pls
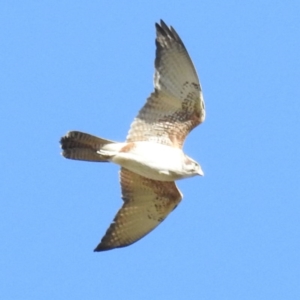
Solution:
(88, 65)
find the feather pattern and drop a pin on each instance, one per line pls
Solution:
(146, 204)
(176, 106)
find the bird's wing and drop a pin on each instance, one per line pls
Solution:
(176, 106)
(146, 204)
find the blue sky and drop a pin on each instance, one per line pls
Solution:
(88, 65)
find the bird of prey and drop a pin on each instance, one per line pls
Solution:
(151, 158)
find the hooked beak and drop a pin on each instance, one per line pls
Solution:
(200, 172)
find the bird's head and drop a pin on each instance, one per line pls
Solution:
(191, 167)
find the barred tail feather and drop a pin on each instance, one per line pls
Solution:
(82, 146)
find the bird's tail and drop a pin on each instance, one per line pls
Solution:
(82, 146)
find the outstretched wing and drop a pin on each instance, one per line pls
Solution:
(146, 204)
(176, 106)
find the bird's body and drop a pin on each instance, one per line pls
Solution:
(156, 161)
(151, 158)
(146, 158)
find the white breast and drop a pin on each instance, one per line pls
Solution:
(152, 160)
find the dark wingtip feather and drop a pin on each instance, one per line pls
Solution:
(168, 32)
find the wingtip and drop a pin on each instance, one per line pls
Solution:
(161, 25)
(168, 32)
(102, 247)
(97, 250)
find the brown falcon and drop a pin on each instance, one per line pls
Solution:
(151, 158)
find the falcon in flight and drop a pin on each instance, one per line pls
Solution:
(151, 158)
